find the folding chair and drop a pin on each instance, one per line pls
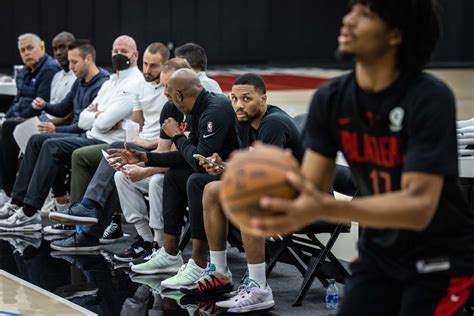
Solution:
(233, 236)
(306, 252)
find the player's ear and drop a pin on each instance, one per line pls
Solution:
(395, 37)
(264, 98)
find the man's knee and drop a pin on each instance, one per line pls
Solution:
(194, 182)
(211, 195)
(156, 182)
(77, 157)
(120, 178)
(36, 141)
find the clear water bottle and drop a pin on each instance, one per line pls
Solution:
(43, 117)
(332, 295)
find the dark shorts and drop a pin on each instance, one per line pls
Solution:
(371, 292)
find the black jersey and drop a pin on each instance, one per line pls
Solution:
(410, 126)
(169, 110)
(276, 128)
(212, 130)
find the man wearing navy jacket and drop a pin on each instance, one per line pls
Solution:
(33, 80)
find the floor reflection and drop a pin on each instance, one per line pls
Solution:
(94, 281)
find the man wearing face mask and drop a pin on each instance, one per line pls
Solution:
(97, 190)
(101, 120)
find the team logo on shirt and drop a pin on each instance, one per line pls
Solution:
(396, 118)
(209, 127)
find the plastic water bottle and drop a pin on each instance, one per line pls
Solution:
(43, 117)
(332, 295)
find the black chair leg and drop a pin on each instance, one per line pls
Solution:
(276, 255)
(315, 265)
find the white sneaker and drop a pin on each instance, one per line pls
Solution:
(160, 263)
(19, 222)
(250, 298)
(51, 205)
(3, 198)
(48, 204)
(8, 210)
(21, 240)
(187, 275)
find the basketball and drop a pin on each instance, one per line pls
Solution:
(252, 175)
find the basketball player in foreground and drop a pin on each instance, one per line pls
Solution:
(396, 127)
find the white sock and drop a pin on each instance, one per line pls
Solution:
(170, 256)
(144, 230)
(257, 274)
(159, 236)
(219, 259)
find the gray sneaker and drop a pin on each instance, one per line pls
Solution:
(8, 210)
(22, 240)
(4, 198)
(19, 222)
(77, 214)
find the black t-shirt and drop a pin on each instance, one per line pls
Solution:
(212, 130)
(276, 128)
(409, 127)
(169, 110)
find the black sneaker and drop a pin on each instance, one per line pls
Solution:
(77, 242)
(147, 254)
(59, 229)
(112, 233)
(137, 250)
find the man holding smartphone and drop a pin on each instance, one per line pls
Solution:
(212, 130)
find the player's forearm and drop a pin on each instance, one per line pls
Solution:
(397, 210)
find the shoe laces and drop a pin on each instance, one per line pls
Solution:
(153, 254)
(110, 229)
(9, 208)
(69, 209)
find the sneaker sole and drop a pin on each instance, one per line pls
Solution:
(121, 259)
(72, 220)
(26, 228)
(220, 290)
(50, 231)
(78, 249)
(110, 241)
(250, 308)
(175, 287)
(61, 254)
(158, 271)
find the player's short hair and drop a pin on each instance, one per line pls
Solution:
(194, 54)
(419, 22)
(160, 48)
(85, 48)
(253, 80)
(175, 64)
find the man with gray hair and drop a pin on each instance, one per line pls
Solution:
(33, 80)
(102, 121)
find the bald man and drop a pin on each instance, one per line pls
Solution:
(101, 119)
(212, 130)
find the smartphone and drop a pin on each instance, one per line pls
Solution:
(209, 161)
(105, 154)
